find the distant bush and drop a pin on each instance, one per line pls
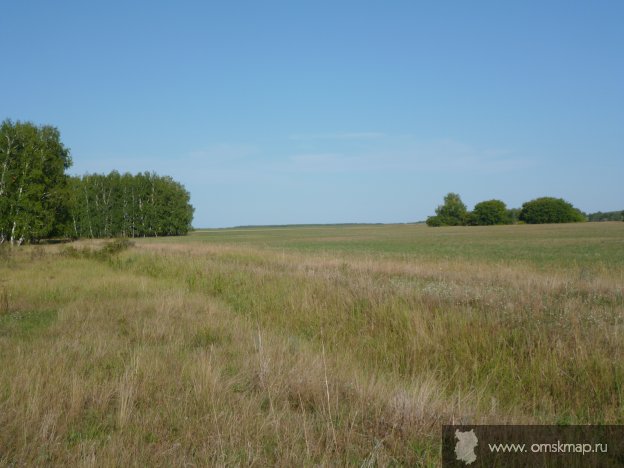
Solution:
(550, 210)
(108, 250)
(492, 212)
(452, 213)
(488, 213)
(116, 246)
(607, 216)
(434, 221)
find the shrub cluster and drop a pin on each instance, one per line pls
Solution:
(607, 216)
(453, 212)
(109, 249)
(550, 210)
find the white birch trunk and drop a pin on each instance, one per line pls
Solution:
(19, 196)
(5, 165)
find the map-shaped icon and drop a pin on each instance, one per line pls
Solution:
(465, 447)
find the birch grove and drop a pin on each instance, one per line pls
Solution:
(126, 205)
(38, 200)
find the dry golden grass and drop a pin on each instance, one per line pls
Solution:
(188, 354)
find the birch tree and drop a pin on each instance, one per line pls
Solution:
(33, 184)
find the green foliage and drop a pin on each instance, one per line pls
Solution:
(513, 215)
(116, 205)
(550, 210)
(33, 184)
(607, 216)
(487, 213)
(452, 213)
(38, 200)
(491, 212)
(434, 221)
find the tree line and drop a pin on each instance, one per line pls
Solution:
(606, 216)
(38, 200)
(126, 205)
(453, 212)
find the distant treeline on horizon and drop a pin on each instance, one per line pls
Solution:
(592, 217)
(251, 226)
(543, 210)
(606, 216)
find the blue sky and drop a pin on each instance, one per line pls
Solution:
(323, 112)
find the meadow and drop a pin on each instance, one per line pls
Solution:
(301, 346)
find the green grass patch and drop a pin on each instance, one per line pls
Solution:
(91, 427)
(25, 324)
(206, 338)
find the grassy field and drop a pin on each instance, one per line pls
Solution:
(302, 346)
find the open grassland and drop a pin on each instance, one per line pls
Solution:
(301, 346)
(585, 245)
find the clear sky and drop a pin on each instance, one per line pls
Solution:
(330, 111)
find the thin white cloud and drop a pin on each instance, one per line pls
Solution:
(337, 136)
(321, 162)
(224, 152)
(434, 156)
(231, 163)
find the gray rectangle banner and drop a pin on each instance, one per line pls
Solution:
(532, 446)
